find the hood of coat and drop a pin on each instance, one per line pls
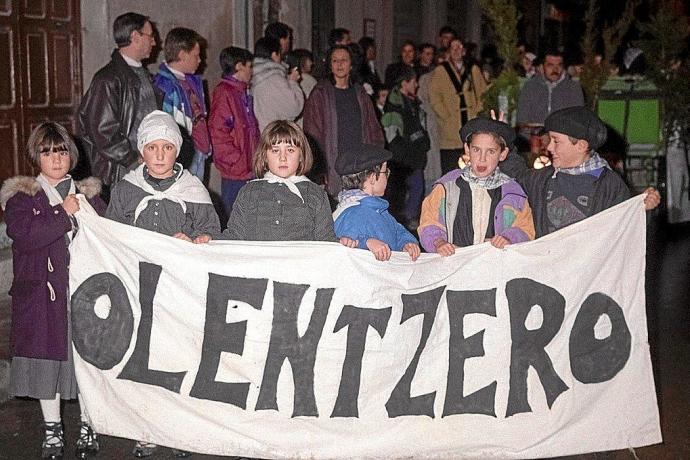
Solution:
(265, 69)
(28, 185)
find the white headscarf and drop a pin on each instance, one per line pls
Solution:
(158, 125)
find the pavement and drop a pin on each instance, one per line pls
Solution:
(668, 307)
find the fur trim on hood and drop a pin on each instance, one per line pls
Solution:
(90, 187)
(18, 184)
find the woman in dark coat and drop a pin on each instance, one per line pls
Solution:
(339, 116)
(39, 212)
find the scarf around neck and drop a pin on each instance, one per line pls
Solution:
(291, 182)
(495, 180)
(593, 163)
(187, 188)
(348, 199)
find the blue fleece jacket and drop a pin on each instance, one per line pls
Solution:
(371, 219)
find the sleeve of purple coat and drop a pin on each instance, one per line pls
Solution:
(31, 229)
(373, 132)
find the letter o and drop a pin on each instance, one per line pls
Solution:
(102, 342)
(593, 360)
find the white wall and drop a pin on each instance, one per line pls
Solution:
(350, 14)
(211, 18)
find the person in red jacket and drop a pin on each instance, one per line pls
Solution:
(232, 124)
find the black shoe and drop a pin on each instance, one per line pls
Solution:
(87, 443)
(181, 453)
(54, 442)
(143, 449)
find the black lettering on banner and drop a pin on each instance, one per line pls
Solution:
(137, 367)
(286, 343)
(220, 336)
(400, 401)
(358, 321)
(461, 303)
(101, 342)
(528, 346)
(595, 360)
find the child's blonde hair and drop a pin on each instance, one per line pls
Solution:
(275, 133)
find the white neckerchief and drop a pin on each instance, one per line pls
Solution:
(186, 188)
(348, 199)
(53, 195)
(291, 182)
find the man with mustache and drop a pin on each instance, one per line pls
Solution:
(548, 91)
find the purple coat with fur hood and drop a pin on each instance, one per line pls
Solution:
(40, 259)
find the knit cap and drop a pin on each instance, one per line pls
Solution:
(158, 125)
(578, 123)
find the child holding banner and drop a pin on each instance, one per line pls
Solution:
(579, 183)
(282, 204)
(39, 212)
(161, 196)
(362, 215)
(478, 202)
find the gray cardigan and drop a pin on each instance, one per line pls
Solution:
(271, 212)
(161, 216)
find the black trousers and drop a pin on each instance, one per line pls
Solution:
(449, 159)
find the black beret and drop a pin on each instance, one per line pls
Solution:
(579, 123)
(360, 159)
(487, 125)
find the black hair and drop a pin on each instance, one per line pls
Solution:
(231, 56)
(336, 35)
(405, 73)
(302, 56)
(179, 39)
(266, 46)
(447, 30)
(365, 43)
(125, 24)
(277, 30)
(424, 46)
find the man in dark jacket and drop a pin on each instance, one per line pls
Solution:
(120, 96)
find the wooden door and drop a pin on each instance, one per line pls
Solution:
(40, 73)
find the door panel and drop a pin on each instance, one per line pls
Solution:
(40, 74)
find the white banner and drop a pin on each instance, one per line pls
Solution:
(314, 350)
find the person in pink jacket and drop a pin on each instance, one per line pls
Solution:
(232, 124)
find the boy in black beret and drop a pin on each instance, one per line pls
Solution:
(362, 215)
(579, 183)
(477, 203)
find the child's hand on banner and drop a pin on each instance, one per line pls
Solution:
(348, 242)
(380, 249)
(653, 198)
(413, 250)
(182, 236)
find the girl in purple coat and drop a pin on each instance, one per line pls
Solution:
(39, 212)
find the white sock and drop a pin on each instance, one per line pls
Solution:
(51, 409)
(82, 411)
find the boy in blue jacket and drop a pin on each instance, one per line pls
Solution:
(362, 214)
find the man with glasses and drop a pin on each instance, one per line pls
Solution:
(120, 96)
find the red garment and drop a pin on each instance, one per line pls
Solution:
(321, 124)
(234, 129)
